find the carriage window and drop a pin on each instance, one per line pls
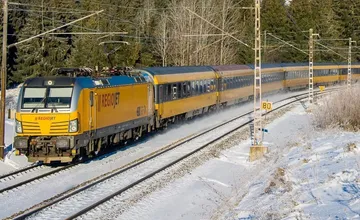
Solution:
(188, 89)
(193, 87)
(179, 90)
(212, 85)
(185, 90)
(168, 92)
(174, 91)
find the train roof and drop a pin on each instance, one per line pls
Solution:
(279, 65)
(230, 67)
(177, 70)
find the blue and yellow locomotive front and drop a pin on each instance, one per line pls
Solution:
(47, 122)
(61, 118)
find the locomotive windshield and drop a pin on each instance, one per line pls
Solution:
(47, 97)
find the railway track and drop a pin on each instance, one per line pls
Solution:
(92, 194)
(19, 171)
(44, 171)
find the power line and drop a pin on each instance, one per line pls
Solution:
(43, 6)
(58, 12)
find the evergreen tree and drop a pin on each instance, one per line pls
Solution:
(275, 20)
(40, 55)
(328, 28)
(301, 15)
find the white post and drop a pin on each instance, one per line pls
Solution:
(311, 67)
(349, 65)
(257, 79)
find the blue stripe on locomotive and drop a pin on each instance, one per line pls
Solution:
(86, 82)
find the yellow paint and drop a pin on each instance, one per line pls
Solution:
(133, 104)
(234, 73)
(326, 79)
(174, 78)
(322, 88)
(39, 124)
(266, 105)
(234, 94)
(177, 107)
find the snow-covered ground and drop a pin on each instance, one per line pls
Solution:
(228, 187)
(308, 174)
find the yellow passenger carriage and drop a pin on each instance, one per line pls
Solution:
(182, 92)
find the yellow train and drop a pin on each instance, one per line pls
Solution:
(72, 115)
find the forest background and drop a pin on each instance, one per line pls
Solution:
(167, 33)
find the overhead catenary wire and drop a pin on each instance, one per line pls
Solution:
(225, 32)
(287, 43)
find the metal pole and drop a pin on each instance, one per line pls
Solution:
(3, 79)
(349, 65)
(257, 79)
(164, 41)
(311, 66)
(264, 46)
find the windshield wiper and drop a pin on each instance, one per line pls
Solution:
(43, 100)
(54, 107)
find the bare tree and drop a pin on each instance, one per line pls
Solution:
(162, 40)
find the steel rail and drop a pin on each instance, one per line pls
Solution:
(36, 178)
(20, 170)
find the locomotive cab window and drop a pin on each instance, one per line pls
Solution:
(47, 97)
(34, 98)
(59, 97)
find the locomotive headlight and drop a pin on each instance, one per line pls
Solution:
(73, 126)
(18, 127)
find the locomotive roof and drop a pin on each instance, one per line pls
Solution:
(61, 81)
(85, 82)
(177, 70)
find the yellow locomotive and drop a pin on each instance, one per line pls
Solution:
(68, 116)
(61, 118)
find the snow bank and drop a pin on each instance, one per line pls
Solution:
(10, 162)
(317, 177)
